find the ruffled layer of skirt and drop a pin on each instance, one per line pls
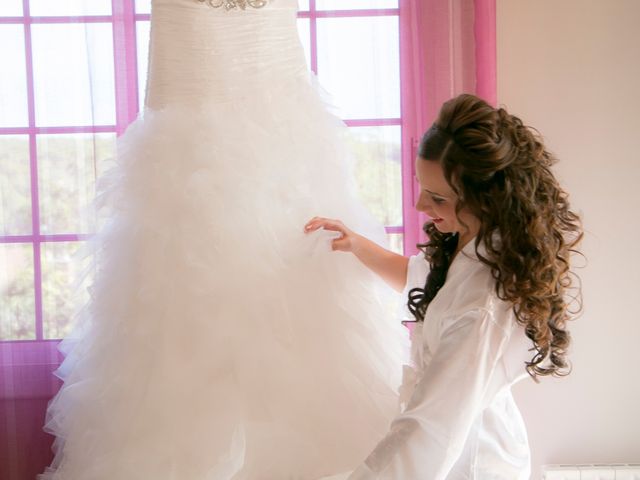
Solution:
(220, 341)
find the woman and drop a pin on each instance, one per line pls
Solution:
(497, 276)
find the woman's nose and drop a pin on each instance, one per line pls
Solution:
(422, 204)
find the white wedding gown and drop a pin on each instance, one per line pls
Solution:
(220, 341)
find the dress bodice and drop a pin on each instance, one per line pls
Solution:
(199, 52)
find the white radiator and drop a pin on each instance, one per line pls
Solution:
(613, 471)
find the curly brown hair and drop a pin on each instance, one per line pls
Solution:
(501, 173)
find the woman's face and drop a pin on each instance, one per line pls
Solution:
(438, 200)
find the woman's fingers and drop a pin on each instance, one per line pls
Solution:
(311, 224)
(343, 242)
(328, 224)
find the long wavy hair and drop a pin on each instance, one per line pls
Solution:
(500, 171)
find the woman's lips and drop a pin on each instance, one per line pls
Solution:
(436, 220)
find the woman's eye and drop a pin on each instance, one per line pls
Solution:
(437, 200)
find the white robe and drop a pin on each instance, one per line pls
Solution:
(460, 420)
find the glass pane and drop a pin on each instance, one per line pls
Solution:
(303, 5)
(73, 74)
(11, 8)
(68, 166)
(13, 81)
(305, 37)
(378, 171)
(143, 6)
(15, 185)
(359, 65)
(142, 48)
(17, 299)
(69, 7)
(396, 242)
(62, 294)
(355, 4)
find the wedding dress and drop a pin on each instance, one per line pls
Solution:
(221, 342)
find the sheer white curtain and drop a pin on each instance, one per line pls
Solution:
(59, 118)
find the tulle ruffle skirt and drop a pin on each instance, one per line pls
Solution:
(220, 341)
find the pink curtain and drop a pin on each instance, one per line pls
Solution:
(26, 385)
(448, 47)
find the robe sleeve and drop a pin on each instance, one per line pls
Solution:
(426, 439)
(417, 271)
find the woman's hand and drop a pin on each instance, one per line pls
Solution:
(390, 266)
(346, 242)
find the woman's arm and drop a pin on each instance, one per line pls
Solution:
(390, 266)
(426, 440)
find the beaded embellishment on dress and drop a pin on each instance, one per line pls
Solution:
(231, 4)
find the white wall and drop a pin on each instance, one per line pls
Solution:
(571, 68)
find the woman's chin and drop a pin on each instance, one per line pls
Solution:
(442, 228)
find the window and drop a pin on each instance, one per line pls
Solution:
(58, 124)
(74, 78)
(354, 48)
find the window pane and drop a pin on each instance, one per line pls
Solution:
(378, 171)
(11, 8)
(355, 4)
(359, 65)
(305, 38)
(69, 7)
(62, 296)
(73, 74)
(143, 6)
(142, 48)
(68, 166)
(303, 5)
(17, 299)
(15, 185)
(396, 242)
(13, 81)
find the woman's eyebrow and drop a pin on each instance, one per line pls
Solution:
(435, 193)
